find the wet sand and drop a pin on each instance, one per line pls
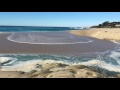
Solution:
(97, 45)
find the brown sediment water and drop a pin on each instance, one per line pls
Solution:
(7, 46)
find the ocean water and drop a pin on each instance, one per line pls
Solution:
(108, 60)
(34, 28)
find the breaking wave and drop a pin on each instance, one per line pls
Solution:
(26, 63)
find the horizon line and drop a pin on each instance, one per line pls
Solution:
(44, 26)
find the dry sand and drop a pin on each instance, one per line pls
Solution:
(12, 74)
(100, 33)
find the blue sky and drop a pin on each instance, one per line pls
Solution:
(73, 19)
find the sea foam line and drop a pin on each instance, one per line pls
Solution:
(5, 59)
(9, 38)
(31, 65)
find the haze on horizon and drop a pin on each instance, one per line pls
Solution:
(60, 19)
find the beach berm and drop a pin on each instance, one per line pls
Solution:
(100, 33)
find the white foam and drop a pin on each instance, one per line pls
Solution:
(31, 65)
(12, 61)
(115, 42)
(10, 39)
(116, 56)
(5, 32)
(28, 65)
(102, 64)
(50, 43)
(5, 59)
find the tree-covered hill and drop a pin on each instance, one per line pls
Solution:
(108, 24)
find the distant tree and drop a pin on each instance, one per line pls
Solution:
(100, 25)
(105, 23)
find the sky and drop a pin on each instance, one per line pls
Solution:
(66, 19)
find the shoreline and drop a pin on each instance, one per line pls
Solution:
(99, 33)
(71, 71)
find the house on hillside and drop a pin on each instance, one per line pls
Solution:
(118, 25)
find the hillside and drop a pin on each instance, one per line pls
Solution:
(108, 24)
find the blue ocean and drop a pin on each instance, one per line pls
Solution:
(34, 28)
(108, 60)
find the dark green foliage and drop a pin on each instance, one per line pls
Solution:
(107, 24)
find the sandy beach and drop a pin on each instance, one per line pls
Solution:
(12, 74)
(100, 33)
(99, 45)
